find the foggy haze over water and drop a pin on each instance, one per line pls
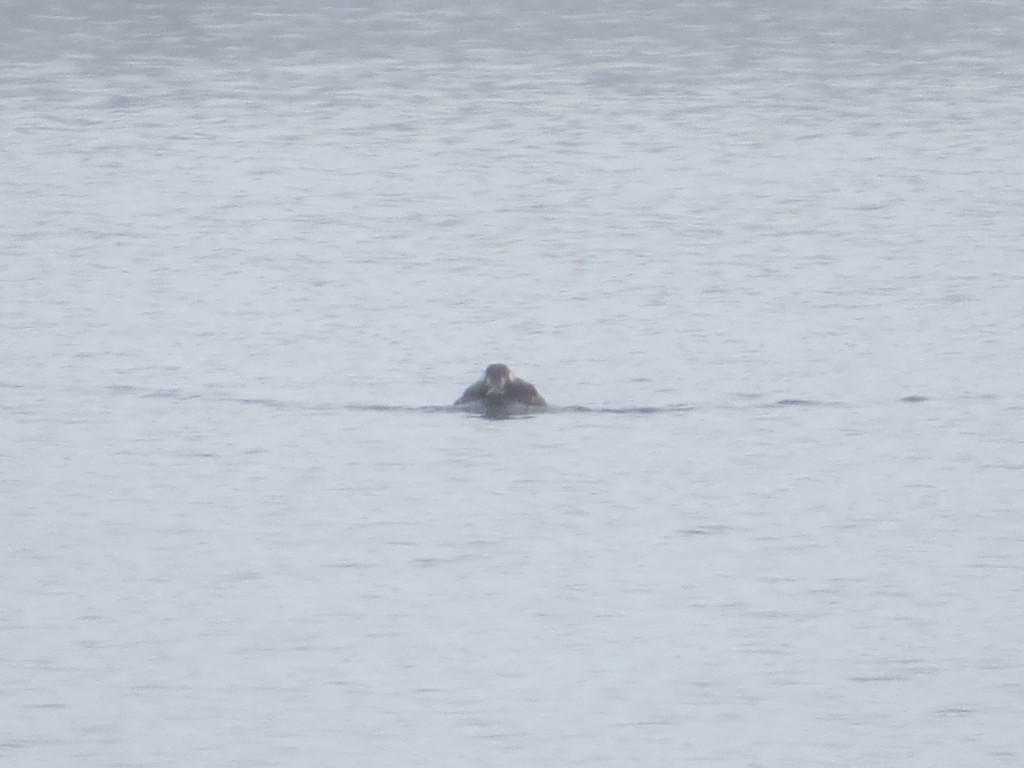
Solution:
(764, 260)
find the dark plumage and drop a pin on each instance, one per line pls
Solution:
(499, 387)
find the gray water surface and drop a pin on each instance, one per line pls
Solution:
(764, 260)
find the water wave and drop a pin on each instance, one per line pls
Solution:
(749, 401)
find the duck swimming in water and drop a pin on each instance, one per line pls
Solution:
(500, 389)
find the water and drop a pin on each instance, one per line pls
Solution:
(764, 262)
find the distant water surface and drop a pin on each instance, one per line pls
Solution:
(763, 260)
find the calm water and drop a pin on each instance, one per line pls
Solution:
(765, 262)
